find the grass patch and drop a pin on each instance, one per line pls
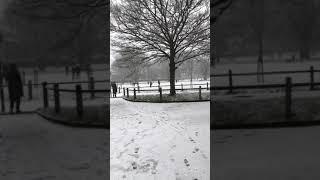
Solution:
(267, 112)
(166, 98)
(93, 116)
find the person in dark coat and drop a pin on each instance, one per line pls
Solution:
(114, 89)
(15, 87)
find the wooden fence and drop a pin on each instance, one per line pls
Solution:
(288, 85)
(30, 89)
(78, 92)
(126, 91)
(231, 87)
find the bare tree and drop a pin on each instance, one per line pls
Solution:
(204, 69)
(303, 19)
(72, 24)
(129, 64)
(256, 15)
(217, 7)
(171, 31)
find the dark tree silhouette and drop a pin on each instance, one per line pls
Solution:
(73, 24)
(303, 18)
(217, 7)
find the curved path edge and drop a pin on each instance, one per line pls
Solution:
(46, 116)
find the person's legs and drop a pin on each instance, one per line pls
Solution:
(18, 105)
(11, 105)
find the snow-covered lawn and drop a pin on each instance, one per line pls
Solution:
(264, 154)
(34, 148)
(159, 141)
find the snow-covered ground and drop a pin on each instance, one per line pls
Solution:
(264, 154)
(159, 141)
(34, 148)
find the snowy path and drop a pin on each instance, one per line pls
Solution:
(32, 148)
(277, 154)
(159, 141)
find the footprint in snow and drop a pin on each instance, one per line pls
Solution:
(191, 140)
(195, 150)
(186, 162)
(134, 165)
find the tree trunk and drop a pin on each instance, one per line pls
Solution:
(172, 71)
(260, 63)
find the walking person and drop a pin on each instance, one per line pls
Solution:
(114, 89)
(15, 87)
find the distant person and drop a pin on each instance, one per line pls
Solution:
(159, 83)
(150, 83)
(114, 89)
(15, 87)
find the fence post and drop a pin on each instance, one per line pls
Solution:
(24, 77)
(30, 89)
(181, 87)
(288, 97)
(79, 99)
(56, 98)
(311, 78)
(91, 87)
(230, 81)
(200, 93)
(36, 78)
(45, 94)
(134, 94)
(124, 92)
(160, 91)
(127, 92)
(3, 109)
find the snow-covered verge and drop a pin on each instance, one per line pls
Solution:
(236, 110)
(34, 148)
(92, 116)
(179, 97)
(159, 141)
(265, 154)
